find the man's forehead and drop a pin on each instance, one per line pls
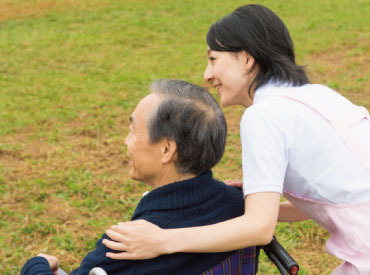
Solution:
(144, 107)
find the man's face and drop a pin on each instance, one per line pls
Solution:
(145, 158)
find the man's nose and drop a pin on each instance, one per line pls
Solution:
(126, 140)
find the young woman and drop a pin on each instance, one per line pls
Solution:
(300, 140)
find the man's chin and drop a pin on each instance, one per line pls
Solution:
(131, 174)
(134, 177)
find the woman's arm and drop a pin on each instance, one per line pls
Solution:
(289, 213)
(143, 240)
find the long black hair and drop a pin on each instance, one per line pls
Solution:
(261, 33)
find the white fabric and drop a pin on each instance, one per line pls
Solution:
(288, 146)
(97, 271)
(61, 272)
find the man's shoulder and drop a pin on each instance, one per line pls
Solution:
(234, 194)
(225, 203)
(230, 196)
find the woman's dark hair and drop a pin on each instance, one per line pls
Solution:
(261, 33)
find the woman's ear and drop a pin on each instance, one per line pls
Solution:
(249, 61)
(168, 150)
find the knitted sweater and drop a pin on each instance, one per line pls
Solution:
(195, 202)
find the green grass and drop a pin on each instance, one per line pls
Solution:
(72, 71)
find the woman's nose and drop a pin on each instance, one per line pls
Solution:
(208, 74)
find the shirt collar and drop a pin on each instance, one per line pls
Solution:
(268, 88)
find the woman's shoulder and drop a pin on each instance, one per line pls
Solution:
(282, 102)
(272, 109)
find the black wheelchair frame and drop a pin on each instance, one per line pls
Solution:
(281, 258)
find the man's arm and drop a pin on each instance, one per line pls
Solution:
(97, 258)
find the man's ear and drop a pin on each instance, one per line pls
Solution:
(168, 150)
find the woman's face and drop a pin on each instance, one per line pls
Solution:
(228, 73)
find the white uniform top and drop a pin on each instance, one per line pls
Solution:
(286, 146)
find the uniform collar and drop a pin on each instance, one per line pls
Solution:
(271, 86)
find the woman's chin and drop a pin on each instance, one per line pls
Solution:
(224, 102)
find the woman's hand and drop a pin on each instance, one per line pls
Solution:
(235, 182)
(138, 240)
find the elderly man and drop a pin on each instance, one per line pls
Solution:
(177, 134)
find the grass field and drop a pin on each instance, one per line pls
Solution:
(71, 72)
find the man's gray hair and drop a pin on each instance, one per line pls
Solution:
(191, 117)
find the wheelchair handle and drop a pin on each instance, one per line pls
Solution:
(281, 258)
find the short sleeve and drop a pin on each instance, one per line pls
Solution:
(264, 151)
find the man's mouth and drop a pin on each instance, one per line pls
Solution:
(129, 158)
